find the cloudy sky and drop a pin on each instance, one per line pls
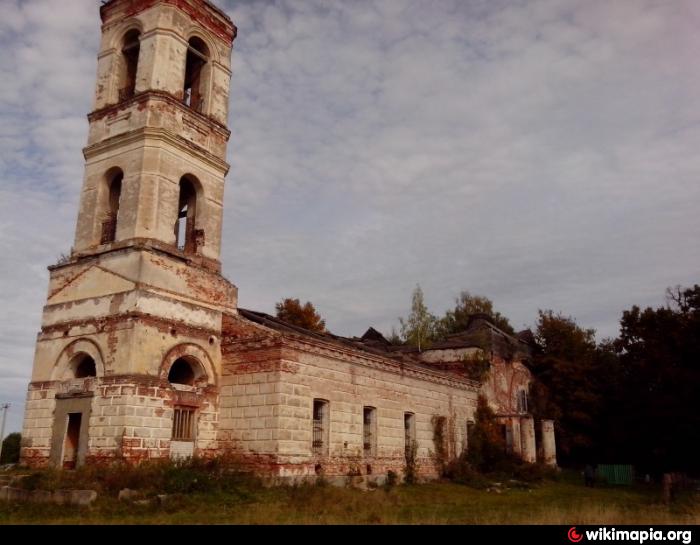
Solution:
(543, 153)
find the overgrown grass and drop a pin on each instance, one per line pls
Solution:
(152, 477)
(232, 497)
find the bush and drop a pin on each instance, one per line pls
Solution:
(10, 449)
(461, 471)
(410, 473)
(391, 480)
(486, 458)
(534, 472)
(486, 445)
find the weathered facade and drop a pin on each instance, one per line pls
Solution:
(143, 352)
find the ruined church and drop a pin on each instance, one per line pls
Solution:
(143, 351)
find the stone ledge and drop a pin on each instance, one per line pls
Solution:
(59, 497)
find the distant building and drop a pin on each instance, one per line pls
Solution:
(143, 352)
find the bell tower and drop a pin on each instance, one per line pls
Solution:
(128, 359)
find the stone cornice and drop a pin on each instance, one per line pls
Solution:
(273, 339)
(513, 415)
(376, 362)
(142, 244)
(208, 15)
(152, 289)
(106, 323)
(162, 135)
(157, 94)
(147, 290)
(128, 379)
(154, 94)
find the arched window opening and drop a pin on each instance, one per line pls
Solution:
(109, 222)
(83, 366)
(181, 373)
(195, 68)
(186, 217)
(130, 53)
(522, 401)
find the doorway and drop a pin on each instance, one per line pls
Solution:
(70, 434)
(72, 441)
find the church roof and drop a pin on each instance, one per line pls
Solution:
(372, 335)
(285, 327)
(372, 345)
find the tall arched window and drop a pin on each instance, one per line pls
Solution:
(130, 53)
(195, 74)
(109, 222)
(187, 214)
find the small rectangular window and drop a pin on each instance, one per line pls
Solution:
(409, 424)
(369, 431)
(183, 424)
(508, 436)
(470, 433)
(319, 444)
(522, 401)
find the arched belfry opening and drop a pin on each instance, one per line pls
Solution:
(131, 47)
(113, 180)
(185, 232)
(83, 366)
(196, 72)
(181, 373)
(186, 371)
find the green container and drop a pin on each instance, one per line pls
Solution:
(616, 474)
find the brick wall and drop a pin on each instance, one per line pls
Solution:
(131, 418)
(269, 383)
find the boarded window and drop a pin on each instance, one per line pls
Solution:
(319, 443)
(369, 431)
(183, 424)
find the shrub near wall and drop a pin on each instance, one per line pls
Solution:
(10, 449)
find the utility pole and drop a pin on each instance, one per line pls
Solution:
(4, 408)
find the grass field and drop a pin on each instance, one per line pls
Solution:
(565, 501)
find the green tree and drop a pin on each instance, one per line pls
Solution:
(420, 327)
(394, 337)
(657, 424)
(293, 312)
(467, 304)
(10, 449)
(566, 363)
